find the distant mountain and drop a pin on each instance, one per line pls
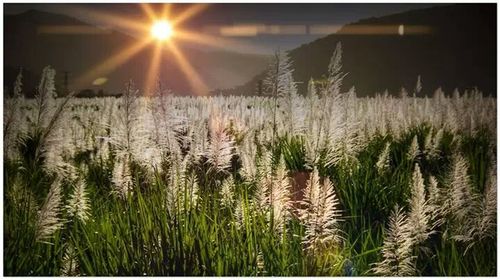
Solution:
(25, 46)
(459, 52)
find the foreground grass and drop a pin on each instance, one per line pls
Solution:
(182, 223)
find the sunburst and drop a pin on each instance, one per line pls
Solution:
(163, 29)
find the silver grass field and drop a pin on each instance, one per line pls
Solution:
(322, 184)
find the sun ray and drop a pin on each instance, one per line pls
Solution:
(166, 11)
(154, 69)
(189, 12)
(217, 42)
(112, 62)
(191, 74)
(146, 8)
(130, 24)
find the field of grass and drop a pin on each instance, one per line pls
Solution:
(323, 184)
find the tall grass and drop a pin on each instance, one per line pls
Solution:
(226, 186)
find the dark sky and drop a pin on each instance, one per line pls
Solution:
(307, 15)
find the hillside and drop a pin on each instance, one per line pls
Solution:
(26, 47)
(460, 52)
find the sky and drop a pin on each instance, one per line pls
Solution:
(282, 25)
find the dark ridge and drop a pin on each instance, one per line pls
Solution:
(459, 53)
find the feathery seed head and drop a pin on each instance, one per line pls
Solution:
(220, 150)
(78, 204)
(49, 217)
(320, 214)
(122, 177)
(398, 259)
(383, 162)
(413, 151)
(419, 218)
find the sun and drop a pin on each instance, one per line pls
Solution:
(162, 30)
